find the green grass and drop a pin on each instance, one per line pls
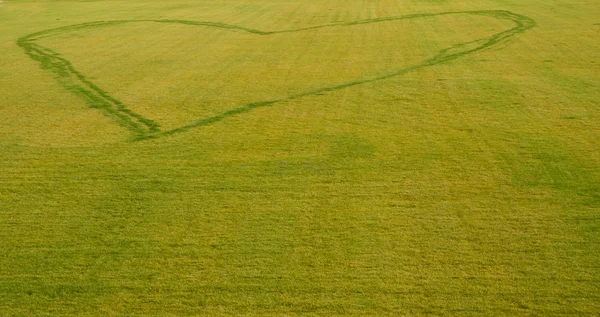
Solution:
(299, 158)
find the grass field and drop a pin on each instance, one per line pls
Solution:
(325, 158)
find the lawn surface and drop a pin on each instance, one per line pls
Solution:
(325, 158)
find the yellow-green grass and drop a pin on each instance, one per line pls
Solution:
(299, 158)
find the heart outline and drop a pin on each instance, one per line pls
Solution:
(143, 128)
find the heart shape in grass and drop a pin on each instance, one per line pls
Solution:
(161, 77)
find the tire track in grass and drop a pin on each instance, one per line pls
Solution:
(144, 128)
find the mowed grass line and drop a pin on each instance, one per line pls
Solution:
(467, 188)
(144, 128)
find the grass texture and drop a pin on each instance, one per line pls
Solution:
(269, 158)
